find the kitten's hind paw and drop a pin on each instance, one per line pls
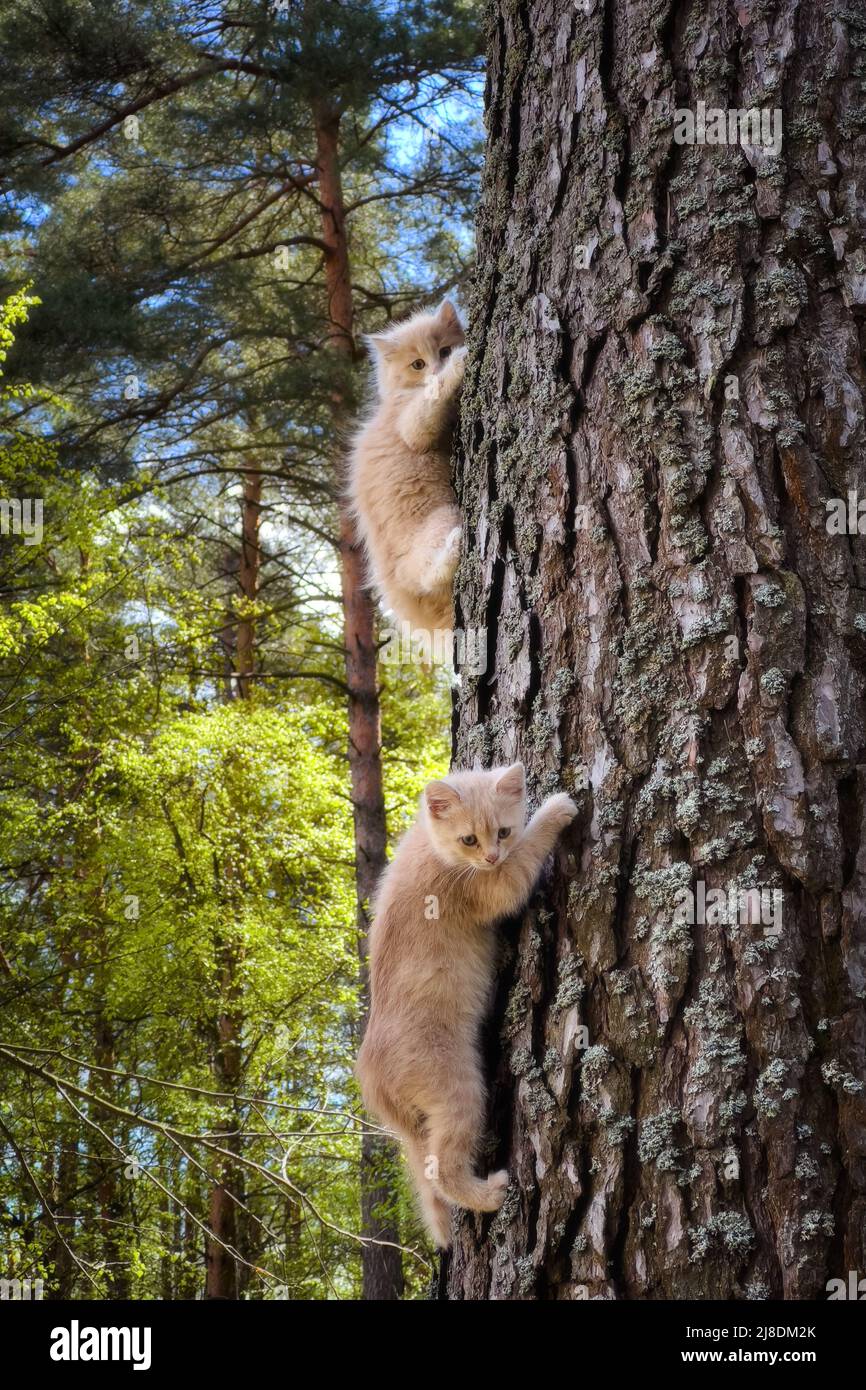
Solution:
(497, 1186)
(443, 565)
(440, 1229)
(451, 549)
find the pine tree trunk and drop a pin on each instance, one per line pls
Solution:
(112, 1192)
(225, 1276)
(666, 385)
(249, 575)
(381, 1259)
(59, 1261)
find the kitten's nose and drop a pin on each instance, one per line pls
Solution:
(492, 858)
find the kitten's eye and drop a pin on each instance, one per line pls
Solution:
(419, 364)
(504, 832)
(444, 352)
(469, 839)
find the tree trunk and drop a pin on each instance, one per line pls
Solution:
(113, 1191)
(222, 1272)
(666, 385)
(108, 1135)
(249, 574)
(61, 1281)
(225, 1277)
(381, 1260)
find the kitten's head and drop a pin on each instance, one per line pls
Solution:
(411, 353)
(476, 818)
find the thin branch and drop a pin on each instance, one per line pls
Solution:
(175, 84)
(34, 1183)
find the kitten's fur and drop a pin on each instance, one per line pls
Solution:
(400, 468)
(431, 976)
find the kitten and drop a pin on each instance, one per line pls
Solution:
(400, 468)
(467, 862)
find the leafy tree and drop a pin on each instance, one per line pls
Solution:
(166, 169)
(180, 960)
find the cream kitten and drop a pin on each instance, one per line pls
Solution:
(467, 862)
(400, 468)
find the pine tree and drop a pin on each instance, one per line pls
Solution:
(187, 269)
(664, 394)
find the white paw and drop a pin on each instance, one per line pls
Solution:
(443, 566)
(434, 387)
(455, 368)
(497, 1186)
(561, 809)
(439, 1224)
(451, 548)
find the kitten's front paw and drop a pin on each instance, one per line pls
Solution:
(561, 809)
(455, 368)
(435, 386)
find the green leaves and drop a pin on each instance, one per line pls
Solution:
(180, 893)
(180, 917)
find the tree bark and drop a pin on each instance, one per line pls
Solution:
(665, 386)
(61, 1281)
(225, 1276)
(249, 574)
(113, 1191)
(113, 1203)
(381, 1260)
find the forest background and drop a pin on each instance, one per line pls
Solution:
(204, 209)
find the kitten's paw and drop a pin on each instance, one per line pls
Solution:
(435, 386)
(561, 809)
(497, 1186)
(450, 552)
(456, 366)
(439, 1225)
(443, 566)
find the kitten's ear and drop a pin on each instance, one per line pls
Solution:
(380, 343)
(512, 782)
(448, 316)
(440, 799)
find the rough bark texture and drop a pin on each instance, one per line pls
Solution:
(381, 1259)
(647, 447)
